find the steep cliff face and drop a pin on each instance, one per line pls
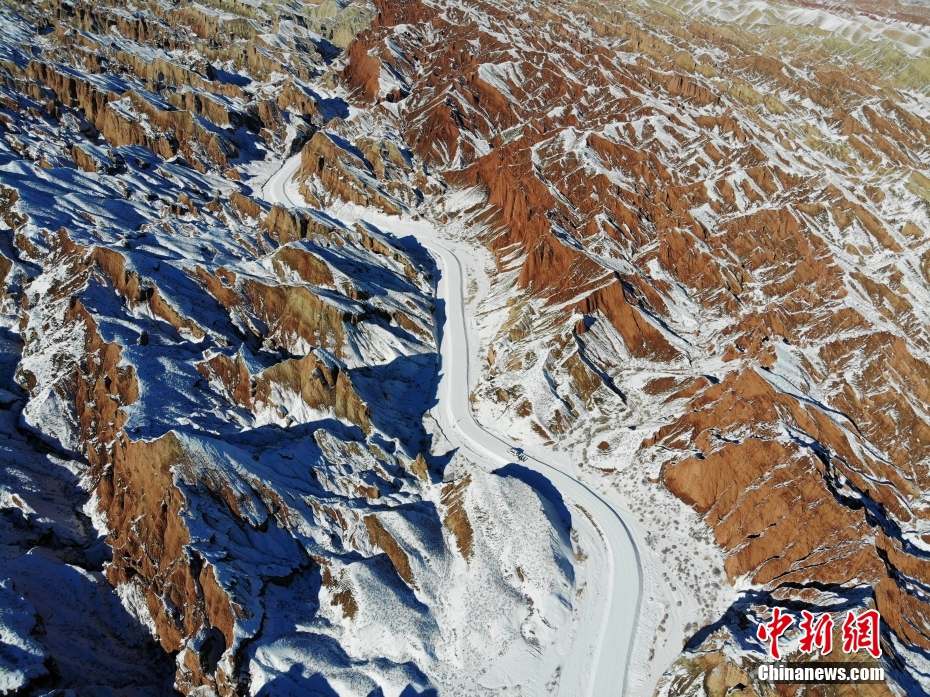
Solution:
(709, 240)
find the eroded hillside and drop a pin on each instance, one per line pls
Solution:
(217, 449)
(707, 283)
(710, 228)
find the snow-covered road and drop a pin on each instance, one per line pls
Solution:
(596, 664)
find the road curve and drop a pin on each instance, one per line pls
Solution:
(609, 664)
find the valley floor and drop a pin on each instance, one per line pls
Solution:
(604, 651)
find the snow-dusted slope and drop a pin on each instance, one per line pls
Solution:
(221, 406)
(708, 227)
(283, 284)
(594, 658)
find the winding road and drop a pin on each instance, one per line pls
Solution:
(597, 664)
